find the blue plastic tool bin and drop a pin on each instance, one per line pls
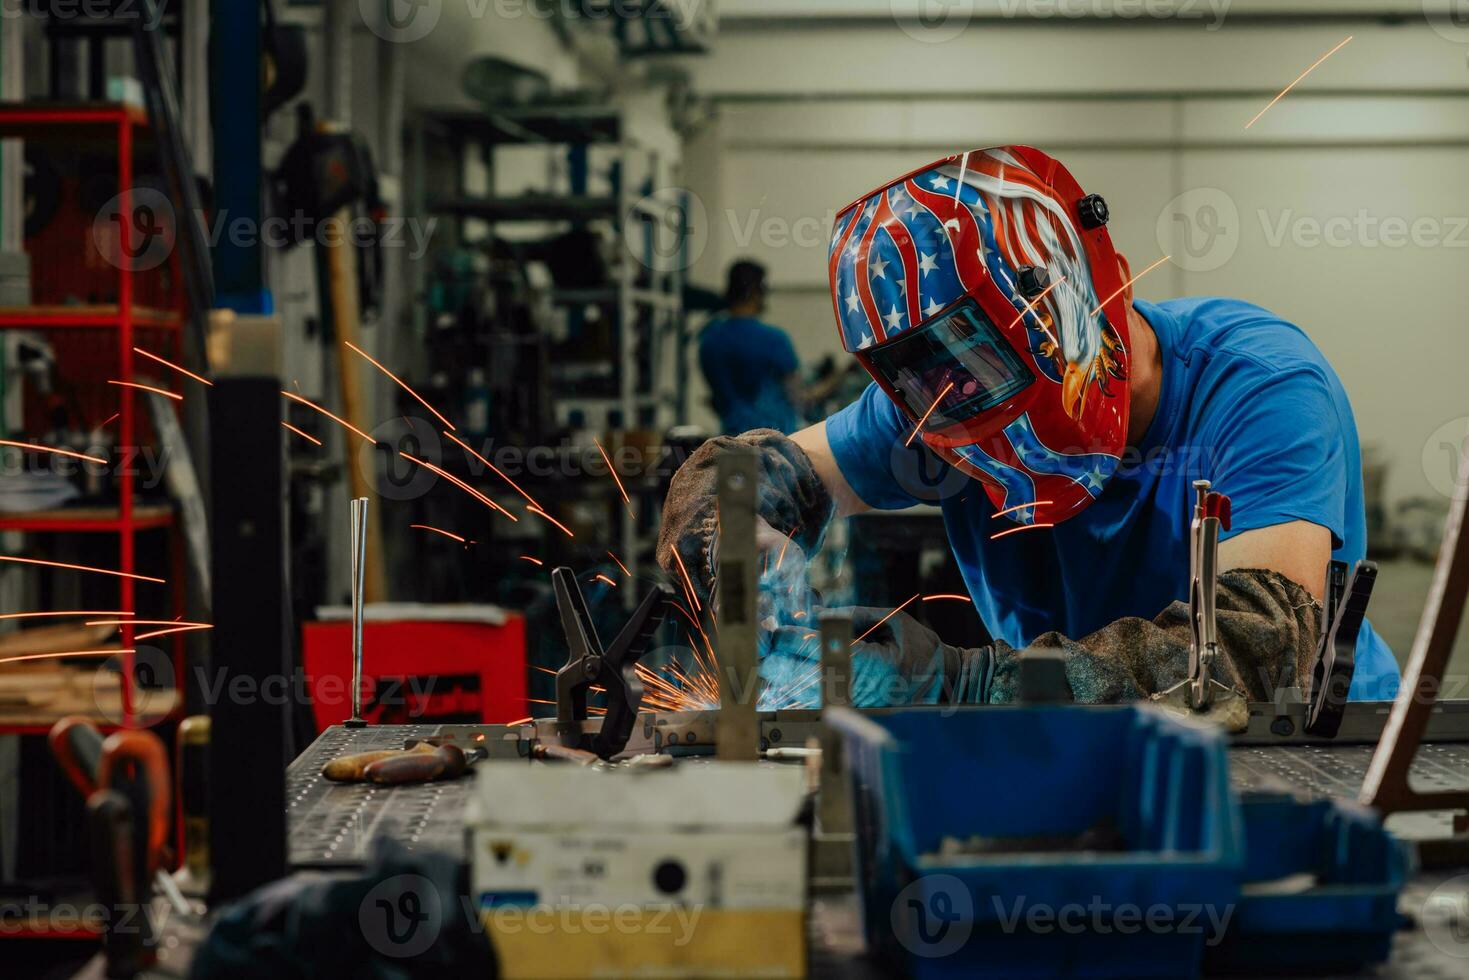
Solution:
(1025, 778)
(1319, 887)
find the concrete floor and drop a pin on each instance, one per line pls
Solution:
(1397, 604)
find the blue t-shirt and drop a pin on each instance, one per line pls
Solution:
(746, 362)
(1247, 401)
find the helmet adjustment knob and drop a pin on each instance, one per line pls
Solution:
(1093, 211)
(1033, 280)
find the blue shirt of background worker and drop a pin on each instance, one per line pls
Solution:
(750, 365)
(1247, 401)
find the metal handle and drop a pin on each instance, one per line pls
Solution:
(359, 581)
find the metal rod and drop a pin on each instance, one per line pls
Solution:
(359, 584)
(737, 735)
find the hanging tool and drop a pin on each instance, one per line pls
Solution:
(359, 570)
(134, 763)
(614, 669)
(1202, 693)
(1335, 663)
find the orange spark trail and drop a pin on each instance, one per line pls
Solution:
(1129, 282)
(438, 530)
(493, 468)
(460, 484)
(65, 653)
(613, 470)
(782, 556)
(401, 383)
(540, 513)
(340, 421)
(528, 558)
(177, 629)
(619, 564)
(54, 452)
(1011, 510)
(171, 364)
(82, 568)
(107, 420)
(688, 581)
(304, 435)
(70, 612)
(145, 622)
(947, 388)
(157, 391)
(1022, 527)
(604, 578)
(521, 721)
(941, 595)
(1302, 75)
(1030, 307)
(884, 619)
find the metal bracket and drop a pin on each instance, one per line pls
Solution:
(1336, 655)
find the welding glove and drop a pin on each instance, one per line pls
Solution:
(792, 501)
(1268, 630)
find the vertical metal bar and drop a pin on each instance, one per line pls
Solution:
(833, 808)
(359, 583)
(737, 733)
(128, 424)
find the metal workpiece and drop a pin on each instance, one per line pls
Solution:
(738, 729)
(359, 582)
(833, 834)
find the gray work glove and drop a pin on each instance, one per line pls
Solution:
(792, 500)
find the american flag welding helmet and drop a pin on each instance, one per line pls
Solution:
(983, 294)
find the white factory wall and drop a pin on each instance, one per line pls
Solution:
(1142, 113)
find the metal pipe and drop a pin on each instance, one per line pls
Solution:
(737, 735)
(359, 583)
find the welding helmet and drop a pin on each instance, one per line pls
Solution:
(982, 293)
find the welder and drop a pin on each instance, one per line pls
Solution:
(1059, 423)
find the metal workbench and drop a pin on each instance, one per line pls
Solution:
(332, 825)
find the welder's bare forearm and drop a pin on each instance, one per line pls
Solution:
(1299, 550)
(814, 444)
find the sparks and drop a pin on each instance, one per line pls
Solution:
(884, 619)
(401, 383)
(613, 470)
(540, 513)
(438, 530)
(340, 421)
(1011, 510)
(304, 435)
(533, 561)
(65, 653)
(149, 388)
(782, 556)
(170, 364)
(145, 622)
(175, 629)
(945, 595)
(107, 420)
(460, 484)
(520, 721)
(82, 568)
(493, 468)
(1030, 307)
(71, 612)
(52, 450)
(1302, 75)
(619, 564)
(947, 388)
(689, 582)
(1128, 284)
(1022, 527)
(600, 577)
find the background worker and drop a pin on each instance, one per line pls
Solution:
(983, 295)
(751, 366)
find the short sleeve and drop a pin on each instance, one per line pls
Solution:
(866, 438)
(782, 353)
(1277, 444)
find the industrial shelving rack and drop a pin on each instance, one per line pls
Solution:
(124, 131)
(648, 299)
